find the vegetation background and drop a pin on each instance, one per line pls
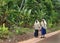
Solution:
(18, 16)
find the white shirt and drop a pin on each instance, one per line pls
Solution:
(37, 25)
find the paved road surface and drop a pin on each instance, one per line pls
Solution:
(53, 39)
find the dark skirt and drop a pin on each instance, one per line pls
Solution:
(43, 31)
(36, 33)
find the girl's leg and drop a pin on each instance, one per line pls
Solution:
(42, 36)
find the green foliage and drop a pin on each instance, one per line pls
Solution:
(4, 31)
(18, 31)
(25, 12)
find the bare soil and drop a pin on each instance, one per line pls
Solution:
(17, 38)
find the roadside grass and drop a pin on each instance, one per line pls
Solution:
(29, 30)
(23, 31)
(55, 28)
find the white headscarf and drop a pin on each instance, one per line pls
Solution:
(36, 22)
(44, 23)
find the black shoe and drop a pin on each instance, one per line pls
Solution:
(42, 37)
(36, 36)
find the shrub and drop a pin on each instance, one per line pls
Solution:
(4, 31)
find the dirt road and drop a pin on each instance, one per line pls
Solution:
(50, 37)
